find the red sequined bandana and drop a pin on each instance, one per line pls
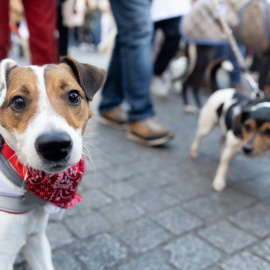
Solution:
(59, 189)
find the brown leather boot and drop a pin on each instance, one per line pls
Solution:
(115, 118)
(148, 132)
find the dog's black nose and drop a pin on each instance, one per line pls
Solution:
(54, 146)
(247, 148)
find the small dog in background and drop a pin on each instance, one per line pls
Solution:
(187, 71)
(201, 61)
(245, 125)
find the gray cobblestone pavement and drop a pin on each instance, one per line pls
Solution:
(154, 209)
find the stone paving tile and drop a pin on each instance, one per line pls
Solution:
(84, 226)
(96, 163)
(102, 252)
(142, 235)
(59, 235)
(145, 182)
(155, 200)
(227, 237)
(255, 220)
(186, 172)
(263, 249)
(202, 165)
(63, 260)
(206, 209)
(248, 168)
(93, 199)
(119, 172)
(232, 200)
(175, 173)
(121, 158)
(177, 220)
(146, 262)
(120, 190)
(122, 212)
(258, 187)
(160, 159)
(142, 165)
(95, 180)
(242, 170)
(191, 253)
(245, 261)
(185, 190)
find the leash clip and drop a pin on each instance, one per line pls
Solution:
(257, 94)
(23, 187)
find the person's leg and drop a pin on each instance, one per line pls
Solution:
(170, 27)
(41, 19)
(63, 33)
(133, 71)
(130, 70)
(112, 93)
(236, 74)
(4, 29)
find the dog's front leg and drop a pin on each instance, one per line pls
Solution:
(9, 248)
(232, 148)
(12, 238)
(8, 253)
(221, 145)
(37, 250)
(207, 121)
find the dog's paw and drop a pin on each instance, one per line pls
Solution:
(193, 152)
(218, 184)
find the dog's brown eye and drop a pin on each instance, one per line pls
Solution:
(74, 97)
(18, 104)
(267, 132)
(248, 127)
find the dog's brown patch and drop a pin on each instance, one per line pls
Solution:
(59, 81)
(262, 141)
(258, 137)
(21, 82)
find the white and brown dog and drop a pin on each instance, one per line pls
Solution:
(245, 125)
(43, 114)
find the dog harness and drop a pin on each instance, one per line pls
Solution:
(39, 187)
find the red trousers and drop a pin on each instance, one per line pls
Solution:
(41, 17)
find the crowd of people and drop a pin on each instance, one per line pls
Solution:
(138, 59)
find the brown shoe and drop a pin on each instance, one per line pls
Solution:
(148, 132)
(115, 118)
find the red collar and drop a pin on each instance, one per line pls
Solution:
(59, 189)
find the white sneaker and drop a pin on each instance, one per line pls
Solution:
(158, 87)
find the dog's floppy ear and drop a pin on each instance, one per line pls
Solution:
(5, 66)
(238, 122)
(89, 77)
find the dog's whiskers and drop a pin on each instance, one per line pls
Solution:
(88, 158)
(92, 145)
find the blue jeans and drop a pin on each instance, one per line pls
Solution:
(130, 71)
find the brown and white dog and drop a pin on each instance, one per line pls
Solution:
(43, 114)
(245, 125)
